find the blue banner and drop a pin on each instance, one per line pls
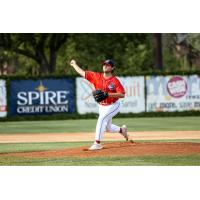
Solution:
(46, 96)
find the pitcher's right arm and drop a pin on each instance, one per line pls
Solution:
(77, 68)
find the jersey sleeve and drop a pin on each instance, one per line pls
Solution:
(90, 76)
(119, 87)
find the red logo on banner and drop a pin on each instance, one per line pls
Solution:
(2, 108)
(177, 87)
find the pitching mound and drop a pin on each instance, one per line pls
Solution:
(119, 149)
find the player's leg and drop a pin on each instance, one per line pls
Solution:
(112, 128)
(105, 114)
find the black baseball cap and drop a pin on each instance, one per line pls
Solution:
(108, 62)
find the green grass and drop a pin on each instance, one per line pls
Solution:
(134, 124)
(28, 147)
(192, 160)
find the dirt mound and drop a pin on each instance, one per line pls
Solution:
(119, 149)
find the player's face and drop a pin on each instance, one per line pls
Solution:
(107, 68)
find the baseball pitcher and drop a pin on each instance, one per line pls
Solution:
(108, 90)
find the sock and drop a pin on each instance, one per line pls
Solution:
(98, 141)
(120, 131)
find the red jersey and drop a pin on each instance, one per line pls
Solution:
(110, 85)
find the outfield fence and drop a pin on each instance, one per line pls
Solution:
(73, 95)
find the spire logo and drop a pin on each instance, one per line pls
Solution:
(45, 97)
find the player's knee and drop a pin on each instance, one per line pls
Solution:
(101, 119)
(108, 130)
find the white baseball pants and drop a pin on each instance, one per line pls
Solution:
(106, 113)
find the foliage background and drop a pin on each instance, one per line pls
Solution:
(131, 52)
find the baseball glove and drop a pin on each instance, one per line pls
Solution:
(99, 95)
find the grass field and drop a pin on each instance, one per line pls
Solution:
(193, 160)
(134, 124)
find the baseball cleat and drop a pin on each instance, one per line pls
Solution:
(124, 132)
(96, 146)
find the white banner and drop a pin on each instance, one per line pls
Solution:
(132, 103)
(173, 93)
(3, 103)
(84, 99)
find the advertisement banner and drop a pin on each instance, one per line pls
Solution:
(46, 96)
(3, 102)
(132, 103)
(84, 99)
(173, 93)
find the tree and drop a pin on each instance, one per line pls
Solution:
(157, 44)
(2, 62)
(49, 53)
(131, 52)
(41, 47)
